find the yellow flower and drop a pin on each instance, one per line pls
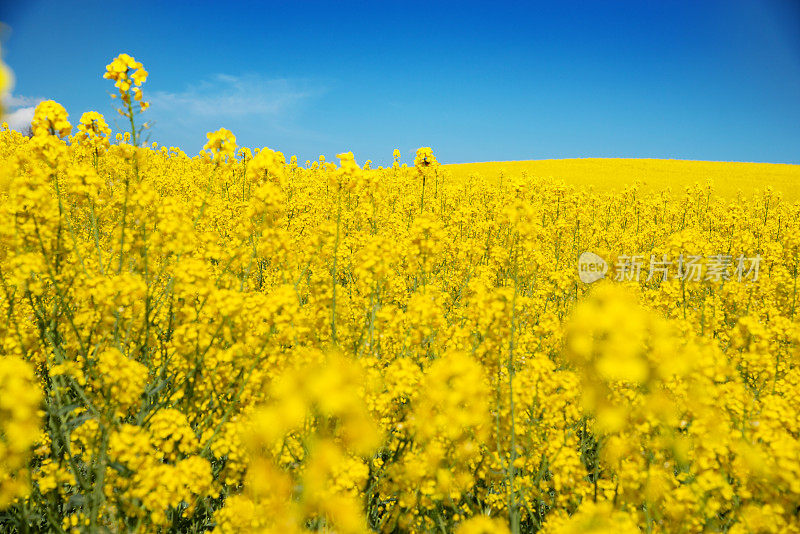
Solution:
(128, 75)
(482, 524)
(6, 83)
(424, 158)
(19, 423)
(221, 144)
(50, 118)
(92, 129)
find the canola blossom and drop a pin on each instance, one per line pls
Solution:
(228, 342)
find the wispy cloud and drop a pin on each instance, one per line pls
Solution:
(234, 96)
(258, 109)
(15, 101)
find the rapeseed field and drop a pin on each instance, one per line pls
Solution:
(233, 342)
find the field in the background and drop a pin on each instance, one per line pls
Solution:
(607, 174)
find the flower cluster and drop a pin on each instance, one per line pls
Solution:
(93, 130)
(128, 76)
(19, 426)
(50, 118)
(221, 144)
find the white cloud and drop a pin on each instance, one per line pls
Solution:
(20, 119)
(19, 110)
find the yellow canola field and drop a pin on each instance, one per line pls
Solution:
(233, 343)
(729, 179)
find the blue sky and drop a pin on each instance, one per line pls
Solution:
(712, 80)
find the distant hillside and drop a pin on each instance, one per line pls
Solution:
(607, 174)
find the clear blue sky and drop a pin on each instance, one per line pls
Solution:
(699, 79)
